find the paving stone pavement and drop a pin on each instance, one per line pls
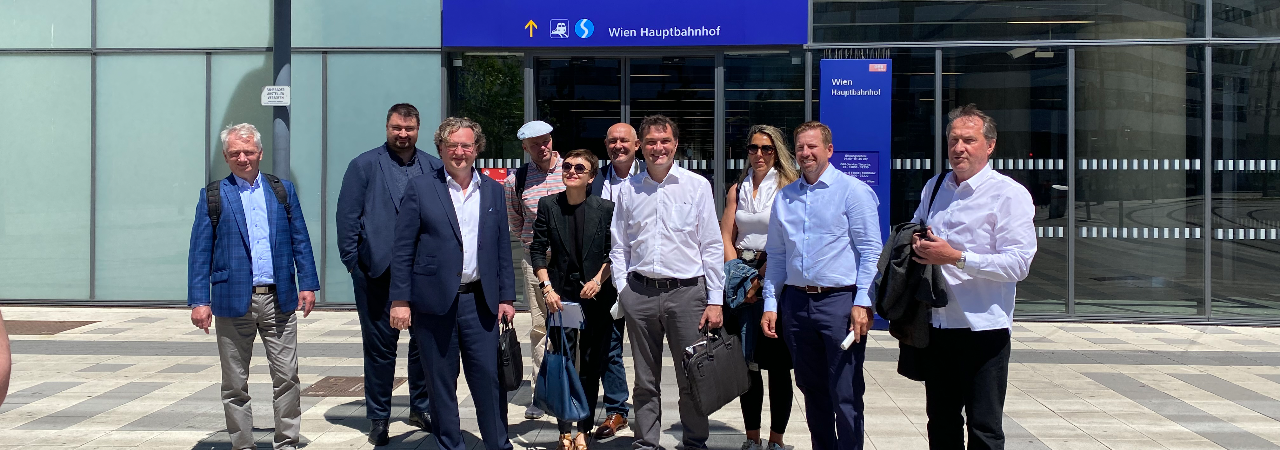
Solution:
(142, 378)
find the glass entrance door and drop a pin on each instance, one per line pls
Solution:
(581, 98)
(683, 89)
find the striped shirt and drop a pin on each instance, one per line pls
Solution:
(522, 212)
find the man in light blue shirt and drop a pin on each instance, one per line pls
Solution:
(825, 230)
(255, 214)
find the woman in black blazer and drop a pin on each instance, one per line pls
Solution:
(570, 253)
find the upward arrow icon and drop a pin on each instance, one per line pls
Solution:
(531, 26)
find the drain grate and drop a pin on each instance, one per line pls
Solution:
(42, 327)
(342, 387)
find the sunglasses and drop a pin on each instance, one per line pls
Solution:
(767, 149)
(576, 168)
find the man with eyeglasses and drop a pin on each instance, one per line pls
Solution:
(452, 280)
(368, 203)
(668, 264)
(538, 178)
(248, 239)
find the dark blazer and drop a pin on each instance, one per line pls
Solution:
(551, 232)
(426, 268)
(367, 210)
(221, 273)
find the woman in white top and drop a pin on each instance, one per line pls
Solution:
(745, 228)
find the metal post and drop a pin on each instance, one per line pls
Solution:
(717, 177)
(808, 86)
(1071, 181)
(937, 112)
(281, 52)
(1207, 171)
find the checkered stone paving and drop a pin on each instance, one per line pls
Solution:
(126, 378)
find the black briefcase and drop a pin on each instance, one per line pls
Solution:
(716, 370)
(510, 362)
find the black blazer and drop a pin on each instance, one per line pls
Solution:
(551, 232)
(366, 216)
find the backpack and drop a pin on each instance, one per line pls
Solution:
(213, 196)
(521, 174)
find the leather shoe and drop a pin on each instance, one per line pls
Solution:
(611, 426)
(420, 419)
(378, 432)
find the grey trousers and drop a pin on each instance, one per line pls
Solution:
(279, 332)
(650, 315)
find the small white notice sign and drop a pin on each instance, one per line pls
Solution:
(275, 96)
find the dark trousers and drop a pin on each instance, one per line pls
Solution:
(969, 371)
(589, 347)
(381, 342)
(615, 375)
(813, 325)
(470, 331)
(780, 397)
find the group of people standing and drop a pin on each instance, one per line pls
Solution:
(426, 241)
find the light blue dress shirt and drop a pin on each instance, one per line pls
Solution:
(255, 213)
(828, 233)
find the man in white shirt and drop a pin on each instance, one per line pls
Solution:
(981, 233)
(667, 260)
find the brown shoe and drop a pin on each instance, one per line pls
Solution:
(611, 426)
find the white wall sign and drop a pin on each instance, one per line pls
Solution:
(275, 96)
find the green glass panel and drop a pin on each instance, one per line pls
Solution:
(45, 23)
(235, 96)
(386, 23)
(150, 168)
(305, 137)
(184, 23)
(44, 214)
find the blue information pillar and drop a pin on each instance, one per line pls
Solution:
(856, 104)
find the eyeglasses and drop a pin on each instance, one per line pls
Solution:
(576, 168)
(767, 149)
(466, 147)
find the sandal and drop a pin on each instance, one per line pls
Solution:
(567, 443)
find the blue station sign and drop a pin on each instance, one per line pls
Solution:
(856, 102)
(594, 23)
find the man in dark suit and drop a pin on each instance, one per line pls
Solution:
(248, 263)
(451, 280)
(367, 206)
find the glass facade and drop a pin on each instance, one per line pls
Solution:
(1145, 130)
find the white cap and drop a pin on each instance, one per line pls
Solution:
(533, 129)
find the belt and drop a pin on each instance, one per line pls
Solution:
(824, 289)
(467, 288)
(664, 284)
(266, 289)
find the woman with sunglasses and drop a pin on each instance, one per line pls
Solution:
(745, 228)
(570, 255)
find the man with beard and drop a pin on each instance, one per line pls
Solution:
(368, 205)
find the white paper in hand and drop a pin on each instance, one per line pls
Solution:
(849, 340)
(570, 313)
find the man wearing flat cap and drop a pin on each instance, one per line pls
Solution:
(538, 178)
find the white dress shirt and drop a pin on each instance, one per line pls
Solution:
(668, 230)
(466, 204)
(612, 182)
(990, 219)
(752, 218)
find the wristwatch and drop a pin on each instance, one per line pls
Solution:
(544, 284)
(960, 264)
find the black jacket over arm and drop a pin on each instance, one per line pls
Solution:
(551, 232)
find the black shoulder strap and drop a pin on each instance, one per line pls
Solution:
(213, 199)
(282, 195)
(521, 174)
(936, 185)
(520, 179)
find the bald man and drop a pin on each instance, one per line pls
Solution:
(622, 143)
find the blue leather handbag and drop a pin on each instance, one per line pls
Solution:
(559, 391)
